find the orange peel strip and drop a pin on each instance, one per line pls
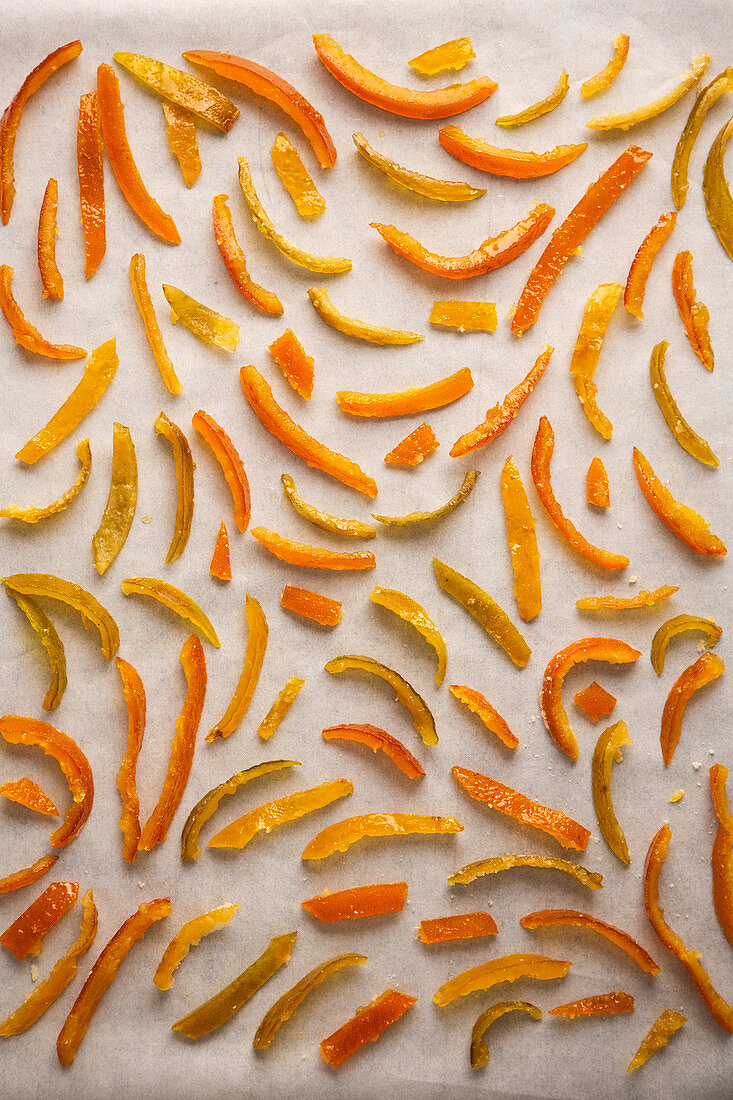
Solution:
(295, 178)
(661, 1031)
(340, 836)
(489, 715)
(377, 739)
(492, 866)
(586, 353)
(360, 330)
(609, 748)
(522, 540)
(597, 490)
(281, 811)
(707, 667)
(56, 588)
(626, 603)
(152, 329)
(541, 107)
(180, 129)
(419, 399)
(311, 605)
(136, 704)
(422, 717)
(545, 918)
(427, 186)
(235, 261)
(257, 634)
(290, 356)
(642, 263)
(28, 875)
(34, 514)
(508, 968)
(694, 314)
(53, 284)
(688, 525)
(721, 858)
(415, 447)
(25, 792)
(410, 611)
(221, 564)
(602, 1004)
(598, 83)
(90, 165)
(624, 120)
(513, 163)
(284, 701)
(440, 59)
(190, 935)
(312, 557)
(174, 599)
(227, 455)
(23, 331)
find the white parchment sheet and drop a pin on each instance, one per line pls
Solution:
(130, 1050)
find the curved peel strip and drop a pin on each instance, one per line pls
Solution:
(508, 968)
(286, 1005)
(608, 748)
(679, 625)
(152, 329)
(586, 353)
(360, 330)
(355, 528)
(642, 263)
(295, 178)
(312, 557)
(227, 455)
(190, 935)
(718, 199)
(56, 588)
(624, 120)
(707, 667)
(694, 314)
(186, 91)
(440, 59)
(513, 163)
(184, 467)
(685, 435)
(414, 613)
(419, 399)
(136, 704)
(542, 107)
(53, 284)
(721, 857)
(602, 1004)
(706, 98)
(598, 83)
(236, 263)
(485, 610)
(422, 718)
(280, 812)
(358, 902)
(682, 521)
(284, 701)
(472, 871)
(23, 331)
(51, 642)
(479, 1046)
(412, 518)
(119, 511)
(33, 514)
(488, 714)
(257, 632)
(27, 875)
(173, 598)
(377, 739)
(25, 935)
(340, 836)
(428, 186)
(546, 918)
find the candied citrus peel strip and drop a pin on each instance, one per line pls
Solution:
(183, 89)
(554, 715)
(440, 59)
(365, 1027)
(598, 83)
(311, 605)
(440, 103)
(624, 120)
(355, 528)
(27, 875)
(422, 718)
(286, 1005)
(679, 625)
(207, 806)
(522, 540)
(280, 811)
(485, 611)
(596, 484)
(570, 234)
(688, 525)
(56, 588)
(462, 926)
(659, 1034)
(360, 330)
(469, 481)
(121, 159)
(546, 918)
(16, 730)
(207, 324)
(707, 667)
(12, 115)
(33, 514)
(284, 701)
(51, 642)
(103, 973)
(180, 761)
(152, 329)
(257, 633)
(221, 564)
(119, 511)
(269, 85)
(415, 447)
(419, 399)
(227, 455)
(310, 450)
(721, 1011)
(313, 557)
(24, 332)
(491, 254)
(694, 314)
(98, 373)
(489, 715)
(235, 261)
(174, 599)
(602, 1004)
(706, 98)
(513, 163)
(43, 995)
(136, 704)
(627, 603)
(295, 178)
(595, 701)
(718, 199)
(508, 968)
(184, 467)
(427, 186)
(290, 356)
(358, 902)
(340, 836)
(190, 935)
(609, 748)
(479, 1047)
(325, 265)
(542, 107)
(721, 857)
(376, 739)
(492, 866)
(27, 793)
(586, 353)
(23, 937)
(567, 832)
(53, 284)
(90, 166)
(180, 129)
(464, 316)
(642, 263)
(412, 612)
(501, 415)
(544, 445)
(227, 1002)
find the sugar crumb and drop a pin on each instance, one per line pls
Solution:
(147, 519)
(34, 972)
(696, 765)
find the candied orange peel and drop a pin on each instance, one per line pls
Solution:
(354, 528)
(464, 316)
(295, 178)
(508, 968)
(410, 611)
(227, 456)
(365, 1027)
(595, 701)
(427, 186)
(680, 624)
(603, 79)
(546, 918)
(34, 514)
(360, 330)
(541, 107)
(683, 432)
(180, 130)
(312, 557)
(597, 490)
(152, 329)
(707, 668)
(25, 792)
(485, 610)
(642, 263)
(586, 353)
(290, 356)
(694, 314)
(411, 518)
(624, 120)
(280, 812)
(311, 605)
(495, 864)
(479, 1047)
(53, 284)
(659, 1034)
(173, 598)
(682, 521)
(257, 634)
(190, 935)
(415, 447)
(23, 331)
(236, 263)
(377, 740)
(514, 163)
(418, 399)
(284, 701)
(57, 588)
(643, 598)
(340, 836)
(422, 717)
(488, 714)
(440, 59)
(184, 467)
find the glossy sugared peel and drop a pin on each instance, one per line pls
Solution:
(624, 120)
(488, 714)
(313, 557)
(418, 399)
(586, 353)
(33, 514)
(554, 715)
(27, 875)
(485, 610)
(597, 491)
(180, 129)
(236, 263)
(174, 599)
(513, 163)
(340, 836)
(707, 667)
(25, 792)
(295, 178)
(183, 89)
(440, 59)
(23, 331)
(119, 511)
(695, 315)
(257, 633)
(311, 605)
(718, 199)
(414, 613)
(190, 935)
(461, 926)
(721, 1011)
(358, 902)
(544, 445)
(51, 642)
(365, 1027)
(508, 968)
(479, 1047)
(98, 373)
(479, 867)
(546, 918)
(227, 455)
(53, 284)
(661, 1031)
(24, 936)
(376, 739)
(184, 467)
(415, 447)
(706, 98)
(351, 326)
(285, 699)
(721, 858)
(136, 704)
(642, 263)
(286, 1005)
(291, 358)
(152, 329)
(412, 518)
(522, 540)
(428, 186)
(680, 624)
(207, 324)
(440, 103)
(682, 521)
(644, 598)
(56, 588)
(354, 528)
(542, 107)
(90, 166)
(280, 811)
(602, 1004)
(422, 718)
(595, 701)
(606, 76)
